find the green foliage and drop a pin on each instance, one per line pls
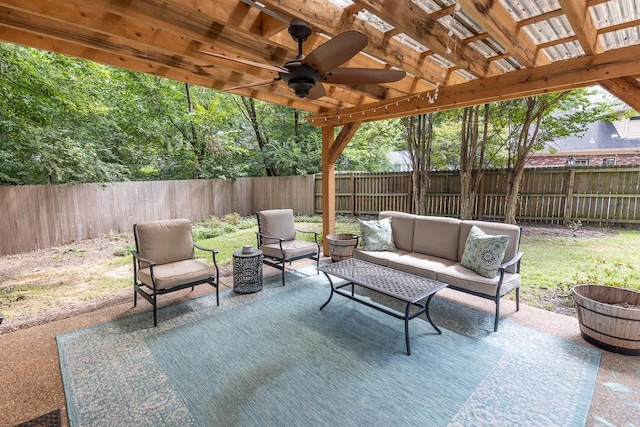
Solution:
(65, 120)
(232, 218)
(123, 250)
(574, 226)
(607, 271)
(369, 147)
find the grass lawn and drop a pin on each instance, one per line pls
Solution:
(553, 265)
(71, 275)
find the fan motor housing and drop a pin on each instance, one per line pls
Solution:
(302, 78)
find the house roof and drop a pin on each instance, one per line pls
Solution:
(455, 52)
(600, 136)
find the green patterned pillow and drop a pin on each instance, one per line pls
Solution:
(377, 235)
(483, 253)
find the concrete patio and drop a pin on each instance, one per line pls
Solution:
(31, 383)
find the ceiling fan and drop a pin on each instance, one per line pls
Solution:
(305, 74)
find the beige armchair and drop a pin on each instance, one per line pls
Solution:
(164, 261)
(277, 239)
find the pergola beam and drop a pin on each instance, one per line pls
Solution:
(565, 75)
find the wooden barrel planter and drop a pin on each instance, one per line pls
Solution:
(609, 317)
(341, 246)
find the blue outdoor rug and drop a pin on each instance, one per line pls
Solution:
(274, 359)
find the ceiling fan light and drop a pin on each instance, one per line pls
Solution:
(301, 86)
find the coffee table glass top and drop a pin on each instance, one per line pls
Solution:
(398, 284)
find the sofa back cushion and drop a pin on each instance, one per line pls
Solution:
(495, 228)
(164, 241)
(437, 236)
(402, 228)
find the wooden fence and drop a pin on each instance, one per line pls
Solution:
(35, 217)
(40, 216)
(603, 196)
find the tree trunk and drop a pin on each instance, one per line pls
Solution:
(419, 141)
(472, 149)
(513, 183)
(250, 113)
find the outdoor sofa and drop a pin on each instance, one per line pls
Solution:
(434, 247)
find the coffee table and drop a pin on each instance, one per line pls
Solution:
(415, 291)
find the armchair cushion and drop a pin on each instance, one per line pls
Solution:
(292, 249)
(177, 273)
(165, 241)
(277, 223)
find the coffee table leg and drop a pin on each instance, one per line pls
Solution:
(426, 311)
(406, 328)
(331, 294)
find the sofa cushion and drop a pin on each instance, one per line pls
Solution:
(177, 273)
(437, 236)
(378, 257)
(513, 231)
(461, 277)
(402, 227)
(420, 264)
(483, 253)
(377, 235)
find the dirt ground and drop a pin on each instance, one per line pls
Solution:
(103, 248)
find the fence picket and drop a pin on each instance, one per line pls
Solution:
(602, 196)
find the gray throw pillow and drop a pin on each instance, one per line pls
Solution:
(483, 253)
(377, 235)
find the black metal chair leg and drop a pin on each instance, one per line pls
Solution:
(283, 268)
(517, 299)
(495, 326)
(155, 315)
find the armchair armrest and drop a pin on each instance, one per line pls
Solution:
(202, 248)
(260, 236)
(137, 256)
(269, 237)
(213, 252)
(315, 234)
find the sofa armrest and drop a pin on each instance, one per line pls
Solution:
(514, 260)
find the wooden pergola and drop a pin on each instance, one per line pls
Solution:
(455, 52)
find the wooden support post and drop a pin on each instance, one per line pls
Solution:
(331, 149)
(328, 187)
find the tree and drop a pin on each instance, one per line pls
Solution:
(473, 143)
(533, 121)
(419, 131)
(369, 148)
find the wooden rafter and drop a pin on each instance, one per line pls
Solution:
(164, 37)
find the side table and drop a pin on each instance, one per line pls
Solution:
(247, 271)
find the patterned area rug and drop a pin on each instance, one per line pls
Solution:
(273, 358)
(52, 419)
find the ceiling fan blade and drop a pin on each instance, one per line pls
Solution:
(258, 83)
(336, 51)
(362, 76)
(247, 62)
(317, 91)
